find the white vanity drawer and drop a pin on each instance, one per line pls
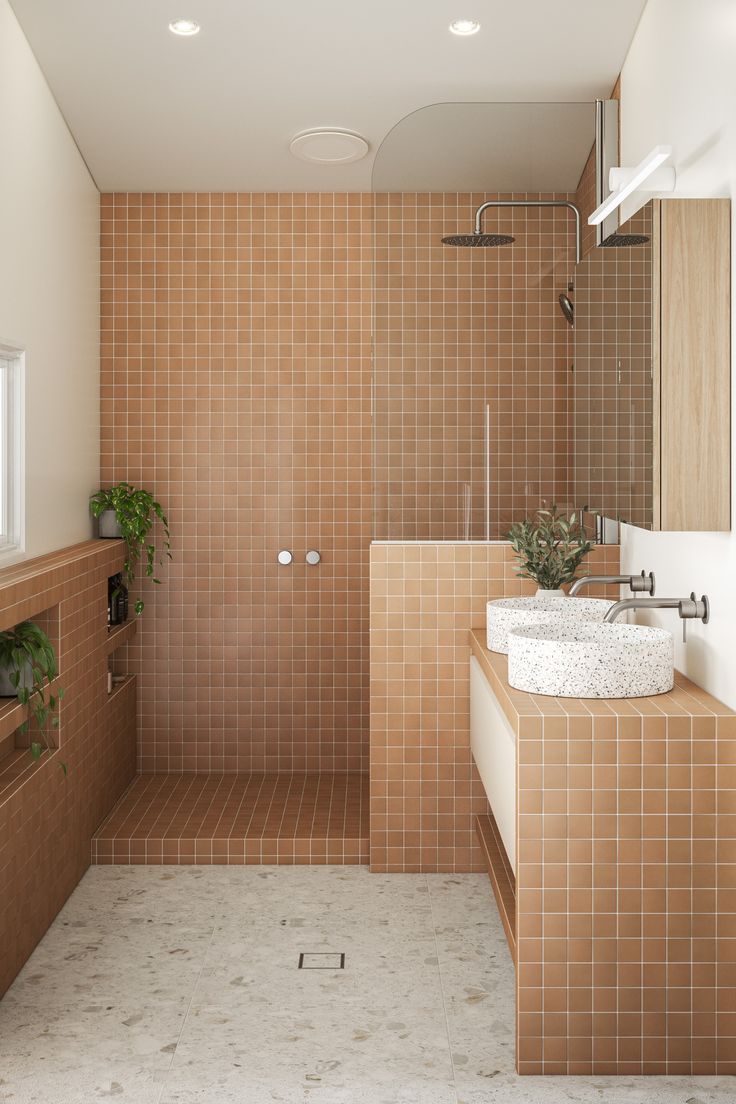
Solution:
(493, 743)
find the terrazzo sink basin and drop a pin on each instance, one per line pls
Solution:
(579, 660)
(505, 614)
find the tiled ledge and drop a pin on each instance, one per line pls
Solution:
(238, 819)
(30, 569)
(39, 584)
(120, 635)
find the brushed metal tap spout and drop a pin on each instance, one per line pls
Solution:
(687, 608)
(638, 584)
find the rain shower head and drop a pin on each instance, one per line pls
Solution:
(567, 307)
(478, 239)
(624, 241)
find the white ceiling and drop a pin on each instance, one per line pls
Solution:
(154, 112)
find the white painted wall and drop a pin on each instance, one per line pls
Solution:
(49, 296)
(678, 87)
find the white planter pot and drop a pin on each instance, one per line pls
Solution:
(7, 690)
(542, 593)
(108, 525)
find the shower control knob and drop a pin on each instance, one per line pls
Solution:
(284, 557)
(313, 557)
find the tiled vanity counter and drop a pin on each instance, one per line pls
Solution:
(621, 910)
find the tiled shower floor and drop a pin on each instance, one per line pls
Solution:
(180, 985)
(236, 819)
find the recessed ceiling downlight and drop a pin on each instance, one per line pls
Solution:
(184, 27)
(465, 26)
(329, 146)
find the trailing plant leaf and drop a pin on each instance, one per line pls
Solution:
(136, 512)
(28, 648)
(549, 547)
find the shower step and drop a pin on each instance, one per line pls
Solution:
(237, 819)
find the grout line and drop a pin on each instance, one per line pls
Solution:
(442, 988)
(185, 1018)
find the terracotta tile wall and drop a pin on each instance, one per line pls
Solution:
(456, 329)
(236, 385)
(425, 790)
(47, 820)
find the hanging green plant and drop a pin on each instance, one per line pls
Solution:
(549, 547)
(28, 662)
(135, 513)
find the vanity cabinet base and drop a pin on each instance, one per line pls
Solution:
(625, 880)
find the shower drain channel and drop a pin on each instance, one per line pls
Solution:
(321, 960)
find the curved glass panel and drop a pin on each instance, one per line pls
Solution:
(472, 353)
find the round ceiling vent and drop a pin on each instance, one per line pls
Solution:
(329, 147)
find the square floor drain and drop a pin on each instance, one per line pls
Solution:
(321, 960)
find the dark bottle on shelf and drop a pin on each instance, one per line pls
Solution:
(117, 600)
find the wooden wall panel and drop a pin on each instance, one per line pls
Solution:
(695, 366)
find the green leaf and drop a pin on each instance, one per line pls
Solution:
(28, 645)
(549, 547)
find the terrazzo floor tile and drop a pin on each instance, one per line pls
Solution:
(335, 1031)
(477, 978)
(161, 985)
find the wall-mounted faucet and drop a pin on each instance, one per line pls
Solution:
(638, 584)
(687, 608)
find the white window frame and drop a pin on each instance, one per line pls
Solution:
(12, 451)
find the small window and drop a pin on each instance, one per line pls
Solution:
(11, 449)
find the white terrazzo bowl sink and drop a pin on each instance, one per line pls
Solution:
(592, 661)
(505, 614)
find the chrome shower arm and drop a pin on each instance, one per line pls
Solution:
(533, 203)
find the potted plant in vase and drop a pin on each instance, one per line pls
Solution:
(129, 512)
(27, 670)
(550, 548)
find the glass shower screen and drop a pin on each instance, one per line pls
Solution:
(471, 352)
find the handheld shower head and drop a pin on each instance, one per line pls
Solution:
(567, 307)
